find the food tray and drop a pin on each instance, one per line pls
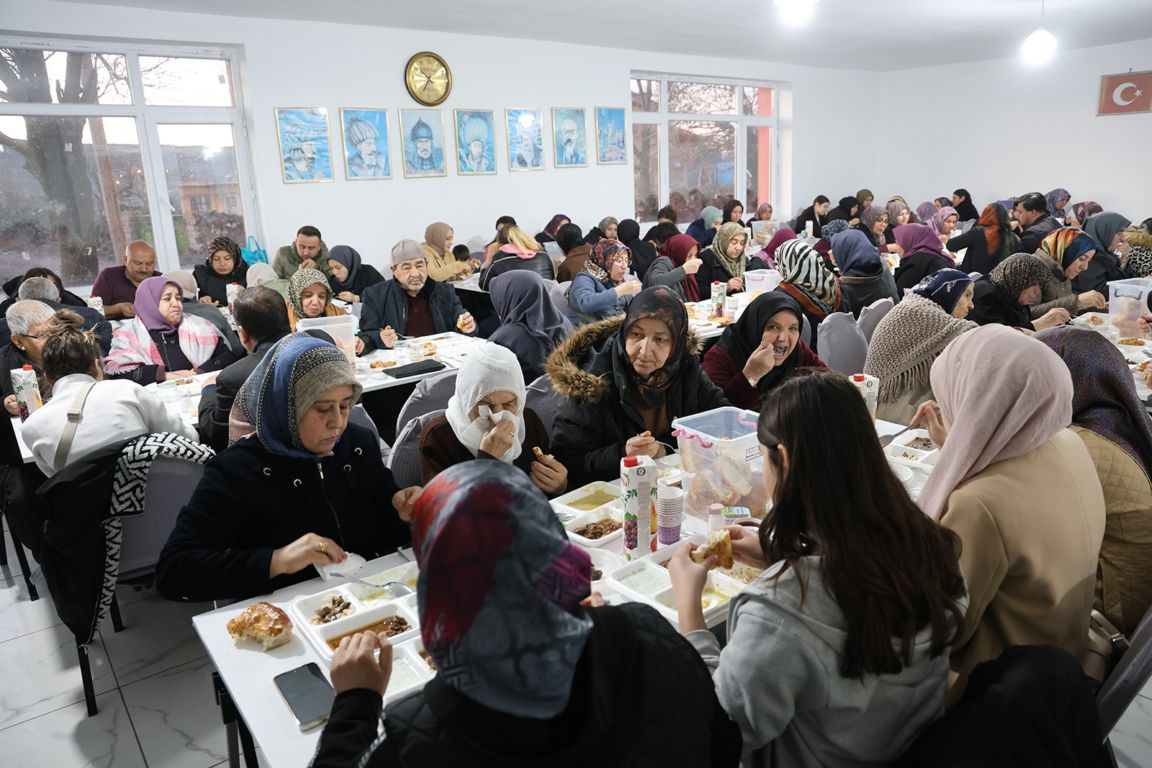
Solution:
(407, 574)
(647, 581)
(409, 669)
(900, 451)
(605, 561)
(669, 470)
(564, 505)
(362, 616)
(614, 510)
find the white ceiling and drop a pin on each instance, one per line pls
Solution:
(850, 34)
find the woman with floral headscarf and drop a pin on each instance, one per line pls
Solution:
(624, 380)
(600, 290)
(805, 277)
(528, 670)
(988, 242)
(723, 261)
(1057, 199)
(301, 489)
(310, 296)
(1067, 251)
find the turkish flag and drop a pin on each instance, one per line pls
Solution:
(1121, 94)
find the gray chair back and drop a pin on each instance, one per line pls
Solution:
(842, 344)
(543, 400)
(559, 295)
(872, 314)
(430, 395)
(359, 416)
(404, 460)
(805, 330)
(1129, 677)
(171, 481)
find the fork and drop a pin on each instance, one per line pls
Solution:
(394, 588)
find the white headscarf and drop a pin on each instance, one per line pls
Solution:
(490, 368)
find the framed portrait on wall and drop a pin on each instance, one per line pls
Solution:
(302, 133)
(569, 137)
(365, 134)
(611, 146)
(475, 142)
(525, 139)
(422, 136)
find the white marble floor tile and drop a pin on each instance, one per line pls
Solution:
(68, 737)
(1132, 736)
(41, 673)
(18, 614)
(158, 635)
(126, 595)
(1146, 692)
(176, 717)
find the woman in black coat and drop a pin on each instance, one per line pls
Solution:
(298, 488)
(350, 275)
(222, 267)
(517, 250)
(624, 381)
(988, 242)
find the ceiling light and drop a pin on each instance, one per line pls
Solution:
(1039, 48)
(795, 13)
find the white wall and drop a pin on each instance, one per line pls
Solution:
(290, 63)
(1000, 130)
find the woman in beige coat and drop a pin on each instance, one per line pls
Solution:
(1021, 491)
(1067, 252)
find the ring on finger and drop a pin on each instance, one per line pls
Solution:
(321, 547)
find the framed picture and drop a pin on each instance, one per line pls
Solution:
(611, 147)
(525, 139)
(304, 146)
(475, 142)
(422, 134)
(569, 137)
(365, 143)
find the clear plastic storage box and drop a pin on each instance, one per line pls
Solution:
(720, 460)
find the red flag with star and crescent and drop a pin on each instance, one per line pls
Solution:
(1122, 94)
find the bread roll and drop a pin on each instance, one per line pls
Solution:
(264, 623)
(719, 543)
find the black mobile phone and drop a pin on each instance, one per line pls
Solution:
(308, 693)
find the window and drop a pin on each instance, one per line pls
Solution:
(710, 141)
(102, 145)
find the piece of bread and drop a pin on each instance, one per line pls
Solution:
(264, 623)
(720, 544)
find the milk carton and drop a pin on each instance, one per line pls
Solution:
(638, 475)
(869, 387)
(234, 290)
(27, 391)
(719, 292)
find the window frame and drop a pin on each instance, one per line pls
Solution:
(147, 118)
(663, 116)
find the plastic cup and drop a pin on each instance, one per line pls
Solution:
(669, 514)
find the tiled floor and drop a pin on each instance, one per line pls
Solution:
(155, 695)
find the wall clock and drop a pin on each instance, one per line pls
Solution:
(428, 78)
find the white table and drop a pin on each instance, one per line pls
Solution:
(470, 283)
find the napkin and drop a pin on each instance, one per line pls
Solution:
(351, 564)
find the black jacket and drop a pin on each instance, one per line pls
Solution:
(918, 266)
(1031, 238)
(643, 256)
(595, 419)
(93, 321)
(12, 288)
(216, 401)
(541, 264)
(862, 290)
(251, 502)
(641, 697)
(1103, 268)
(216, 286)
(976, 258)
(386, 304)
(990, 304)
(12, 358)
(366, 277)
(712, 270)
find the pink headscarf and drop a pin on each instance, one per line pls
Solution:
(1004, 395)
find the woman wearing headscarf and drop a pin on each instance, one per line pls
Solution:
(925, 211)
(1020, 490)
(1081, 212)
(814, 213)
(864, 198)
(763, 213)
(923, 254)
(350, 275)
(600, 291)
(643, 252)
(222, 266)
(733, 212)
(962, 202)
(911, 336)
(874, 225)
(864, 277)
(723, 261)
(704, 228)
(943, 222)
(805, 277)
(846, 210)
(517, 251)
(1107, 229)
(823, 246)
(1110, 418)
(988, 242)
(1057, 199)
(302, 489)
(1067, 252)
(767, 254)
(486, 418)
(309, 297)
(1006, 296)
(576, 252)
(263, 274)
(759, 351)
(161, 342)
(609, 685)
(442, 265)
(606, 229)
(624, 381)
(1138, 239)
(898, 214)
(551, 228)
(530, 324)
(677, 268)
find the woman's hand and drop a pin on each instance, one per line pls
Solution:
(735, 285)
(746, 547)
(760, 363)
(644, 445)
(928, 417)
(1052, 318)
(174, 375)
(499, 439)
(208, 300)
(354, 664)
(404, 500)
(688, 580)
(309, 549)
(692, 265)
(549, 475)
(594, 600)
(1091, 300)
(11, 405)
(628, 288)
(348, 296)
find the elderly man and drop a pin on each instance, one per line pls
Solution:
(42, 289)
(1031, 211)
(307, 251)
(410, 304)
(116, 286)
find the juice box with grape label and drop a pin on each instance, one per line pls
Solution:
(638, 475)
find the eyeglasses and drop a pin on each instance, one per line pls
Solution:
(36, 336)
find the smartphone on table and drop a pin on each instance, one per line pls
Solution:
(308, 694)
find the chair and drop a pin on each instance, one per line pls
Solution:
(359, 416)
(842, 344)
(805, 330)
(1130, 675)
(404, 460)
(872, 314)
(558, 292)
(429, 395)
(171, 481)
(544, 402)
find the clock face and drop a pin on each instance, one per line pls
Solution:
(428, 78)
